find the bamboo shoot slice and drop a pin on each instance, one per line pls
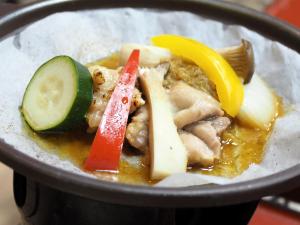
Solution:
(168, 154)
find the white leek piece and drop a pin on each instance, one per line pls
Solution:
(259, 107)
(149, 55)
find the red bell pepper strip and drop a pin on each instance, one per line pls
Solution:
(107, 145)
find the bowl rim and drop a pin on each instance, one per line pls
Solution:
(193, 196)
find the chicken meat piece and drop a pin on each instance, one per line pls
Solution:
(193, 104)
(104, 82)
(137, 130)
(184, 96)
(195, 107)
(200, 110)
(208, 134)
(220, 124)
(137, 100)
(197, 151)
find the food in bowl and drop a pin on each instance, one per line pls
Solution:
(148, 112)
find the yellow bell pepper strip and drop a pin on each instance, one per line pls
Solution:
(107, 145)
(229, 87)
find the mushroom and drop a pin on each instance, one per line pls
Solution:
(241, 58)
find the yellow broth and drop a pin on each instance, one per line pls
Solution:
(75, 146)
(241, 146)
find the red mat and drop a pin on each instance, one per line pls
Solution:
(288, 10)
(268, 215)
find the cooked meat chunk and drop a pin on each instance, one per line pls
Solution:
(194, 108)
(137, 100)
(104, 78)
(194, 104)
(183, 96)
(137, 129)
(208, 134)
(200, 110)
(220, 124)
(197, 150)
(104, 82)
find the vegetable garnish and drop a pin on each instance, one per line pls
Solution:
(149, 55)
(107, 145)
(229, 87)
(259, 108)
(168, 154)
(58, 96)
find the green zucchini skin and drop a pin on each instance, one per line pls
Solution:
(75, 118)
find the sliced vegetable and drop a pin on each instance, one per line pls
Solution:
(149, 55)
(229, 87)
(58, 95)
(259, 107)
(168, 154)
(108, 142)
(241, 58)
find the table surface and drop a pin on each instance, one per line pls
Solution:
(9, 214)
(8, 211)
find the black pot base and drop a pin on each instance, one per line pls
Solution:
(42, 205)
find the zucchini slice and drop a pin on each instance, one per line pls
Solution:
(58, 95)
